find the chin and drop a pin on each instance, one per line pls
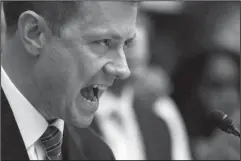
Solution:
(81, 122)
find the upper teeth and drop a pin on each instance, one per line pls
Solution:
(100, 87)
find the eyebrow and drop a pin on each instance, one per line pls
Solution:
(99, 33)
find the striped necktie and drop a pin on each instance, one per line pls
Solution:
(52, 140)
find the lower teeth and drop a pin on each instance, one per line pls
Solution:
(90, 94)
(91, 101)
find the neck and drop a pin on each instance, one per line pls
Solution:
(19, 67)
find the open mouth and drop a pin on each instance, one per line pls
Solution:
(92, 93)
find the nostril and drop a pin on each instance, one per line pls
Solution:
(123, 73)
(119, 71)
(109, 69)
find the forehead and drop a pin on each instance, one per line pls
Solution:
(116, 17)
(104, 10)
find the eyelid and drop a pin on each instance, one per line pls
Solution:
(105, 42)
(129, 41)
(109, 42)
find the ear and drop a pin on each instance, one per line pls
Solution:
(33, 31)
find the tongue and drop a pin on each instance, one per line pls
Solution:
(88, 94)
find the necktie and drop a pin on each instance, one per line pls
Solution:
(52, 140)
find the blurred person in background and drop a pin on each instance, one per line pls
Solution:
(139, 120)
(3, 27)
(202, 82)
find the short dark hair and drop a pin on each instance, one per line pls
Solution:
(55, 12)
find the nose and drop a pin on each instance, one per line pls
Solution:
(118, 67)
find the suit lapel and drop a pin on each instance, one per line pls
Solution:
(87, 145)
(72, 150)
(13, 147)
(156, 137)
(95, 126)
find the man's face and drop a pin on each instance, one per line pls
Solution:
(219, 88)
(76, 67)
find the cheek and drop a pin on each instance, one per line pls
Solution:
(211, 98)
(56, 71)
(205, 97)
(89, 63)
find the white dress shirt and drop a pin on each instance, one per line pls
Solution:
(30, 122)
(128, 144)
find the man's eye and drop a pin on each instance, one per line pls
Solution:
(128, 43)
(104, 42)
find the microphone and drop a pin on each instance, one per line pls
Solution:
(223, 122)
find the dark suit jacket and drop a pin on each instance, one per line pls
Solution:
(76, 146)
(156, 137)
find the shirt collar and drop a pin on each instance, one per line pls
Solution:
(30, 122)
